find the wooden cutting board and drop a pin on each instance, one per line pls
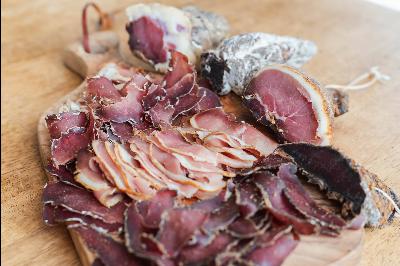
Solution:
(312, 250)
(352, 36)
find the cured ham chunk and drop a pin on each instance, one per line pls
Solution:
(290, 104)
(154, 30)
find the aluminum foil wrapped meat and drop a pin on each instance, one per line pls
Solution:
(233, 63)
(154, 30)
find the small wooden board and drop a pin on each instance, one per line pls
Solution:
(312, 250)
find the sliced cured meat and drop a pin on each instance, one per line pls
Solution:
(174, 142)
(152, 210)
(81, 201)
(216, 120)
(178, 227)
(303, 202)
(180, 68)
(233, 63)
(102, 88)
(248, 198)
(275, 253)
(244, 228)
(63, 174)
(62, 122)
(129, 108)
(208, 101)
(109, 251)
(189, 31)
(90, 176)
(205, 253)
(123, 131)
(53, 215)
(290, 104)
(272, 190)
(65, 148)
(359, 190)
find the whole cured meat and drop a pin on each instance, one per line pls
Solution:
(359, 190)
(155, 30)
(290, 104)
(233, 63)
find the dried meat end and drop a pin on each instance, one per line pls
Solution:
(330, 223)
(291, 104)
(360, 191)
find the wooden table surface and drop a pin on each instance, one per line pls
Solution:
(351, 35)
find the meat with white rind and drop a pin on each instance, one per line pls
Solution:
(199, 30)
(310, 90)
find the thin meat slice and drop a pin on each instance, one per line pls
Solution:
(173, 141)
(129, 108)
(90, 176)
(109, 251)
(102, 88)
(275, 201)
(62, 122)
(63, 174)
(152, 210)
(291, 104)
(275, 253)
(81, 201)
(248, 198)
(178, 227)
(303, 202)
(216, 120)
(205, 253)
(53, 215)
(65, 148)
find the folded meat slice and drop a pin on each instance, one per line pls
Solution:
(90, 176)
(292, 105)
(216, 120)
(276, 202)
(81, 201)
(129, 108)
(173, 141)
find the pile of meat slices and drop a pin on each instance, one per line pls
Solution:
(151, 170)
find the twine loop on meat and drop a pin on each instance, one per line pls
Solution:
(369, 78)
(395, 206)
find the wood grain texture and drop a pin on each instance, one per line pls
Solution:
(351, 35)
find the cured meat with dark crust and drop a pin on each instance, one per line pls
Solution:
(360, 191)
(291, 104)
(303, 202)
(277, 203)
